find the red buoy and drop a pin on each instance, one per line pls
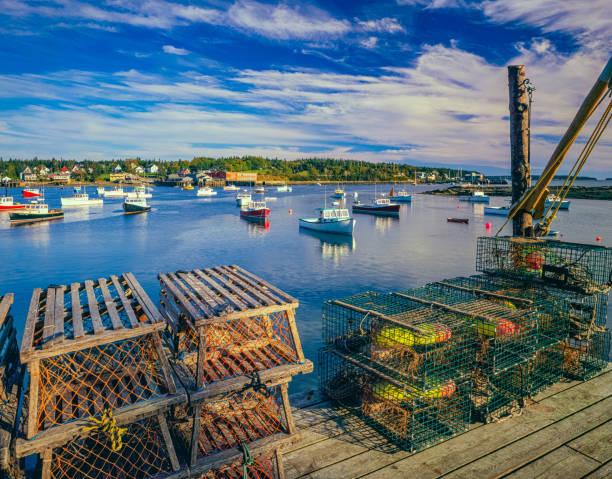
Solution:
(488, 225)
(289, 211)
(598, 238)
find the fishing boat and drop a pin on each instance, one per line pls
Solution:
(379, 206)
(477, 196)
(496, 210)
(31, 193)
(34, 212)
(401, 196)
(231, 188)
(243, 199)
(553, 200)
(135, 204)
(116, 192)
(458, 220)
(338, 193)
(206, 191)
(187, 187)
(259, 190)
(284, 189)
(100, 190)
(7, 203)
(330, 220)
(140, 190)
(255, 210)
(80, 199)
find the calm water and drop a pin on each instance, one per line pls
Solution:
(185, 232)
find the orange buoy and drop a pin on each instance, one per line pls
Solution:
(598, 238)
(488, 225)
(289, 211)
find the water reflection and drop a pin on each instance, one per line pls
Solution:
(40, 233)
(256, 228)
(384, 223)
(332, 246)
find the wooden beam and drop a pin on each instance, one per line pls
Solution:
(295, 335)
(287, 409)
(127, 306)
(181, 301)
(245, 287)
(163, 425)
(255, 289)
(163, 361)
(111, 307)
(27, 342)
(5, 305)
(154, 315)
(34, 370)
(49, 324)
(60, 314)
(94, 313)
(248, 313)
(77, 312)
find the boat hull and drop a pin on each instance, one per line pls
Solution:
(458, 220)
(23, 217)
(114, 194)
(565, 204)
(14, 206)
(386, 210)
(401, 199)
(342, 227)
(206, 193)
(496, 210)
(30, 194)
(259, 214)
(131, 209)
(476, 199)
(88, 202)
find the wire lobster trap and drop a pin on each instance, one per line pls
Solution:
(90, 347)
(584, 268)
(425, 346)
(553, 306)
(226, 322)
(411, 418)
(264, 467)
(584, 358)
(139, 450)
(257, 419)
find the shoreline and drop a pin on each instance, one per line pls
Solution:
(575, 192)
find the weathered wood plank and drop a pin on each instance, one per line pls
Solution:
(168, 442)
(596, 443)
(127, 307)
(562, 462)
(49, 321)
(154, 315)
(294, 334)
(208, 296)
(111, 307)
(288, 298)
(5, 305)
(77, 312)
(179, 282)
(254, 289)
(163, 361)
(27, 342)
(233, 285)
(94, 312)
(58, 335)
(236, 295)
(602, 472)
(181, 301)
(33, 399)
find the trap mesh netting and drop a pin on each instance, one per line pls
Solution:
(142, 455)
(261, 468)
(84, 383)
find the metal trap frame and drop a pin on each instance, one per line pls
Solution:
(585, 358)
(226, 322)
(581, 267)
(425, 346)
(90, 347)
(410, 418)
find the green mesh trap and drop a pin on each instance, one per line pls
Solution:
(585, 268)
(424, 346)
(584, 358)
(411, 418)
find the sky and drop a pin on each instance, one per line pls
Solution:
(408, 81)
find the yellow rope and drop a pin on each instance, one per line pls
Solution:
(108, 425)
(569, 181)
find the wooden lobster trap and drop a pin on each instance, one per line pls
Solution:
(220, 431)
(92, 347)
(227, 322)
(267, 466)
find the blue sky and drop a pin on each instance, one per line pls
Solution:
(380, 80)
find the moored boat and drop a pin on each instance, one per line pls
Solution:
(34, 212)
(140, 190)
(401, 196)
(81, 199)
(243, 199)
(7, 203)
(284, 189)
(496, 210)
(100, 190)
(188, 187)
(116, 192)
(255, 210)
(477, 196)
(553, 200)
(206, 191)
(260, 190)
(338, 193)
(379, 206)
(458, 220)
(330, 220)
(135, 204)
(230, 188)
(31, 193)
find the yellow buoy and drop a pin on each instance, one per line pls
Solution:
(394, 336)
(396, 394)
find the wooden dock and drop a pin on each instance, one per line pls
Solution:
(566, 431)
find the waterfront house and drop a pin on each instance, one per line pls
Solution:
(28, 175)
(154, 169)
(139, 170)
(117, 169)
(183, 172)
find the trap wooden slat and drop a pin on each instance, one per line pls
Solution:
(153, 314)
(111, 308)
(226, 293)
(184, 284)
(182, 302)
(5, 306)
(234, 287)
(58, 335)
(208, 295)
(49, 321)
(127, 307)
(287, 297)
(254, 289)
(77, 312)
(94, 312)
(27, 342)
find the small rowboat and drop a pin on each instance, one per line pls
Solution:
(458, 220)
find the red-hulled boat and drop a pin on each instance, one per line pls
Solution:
(31, 192)
(255, 210)
(7, 203)
(380, 206)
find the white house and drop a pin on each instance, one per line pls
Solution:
(152, 169)
(139, 170)
(117, 169)
(28, 175)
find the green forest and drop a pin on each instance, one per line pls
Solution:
(308, 169)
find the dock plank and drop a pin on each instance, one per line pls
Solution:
(562, 462)
(603, 472)
(596, 443)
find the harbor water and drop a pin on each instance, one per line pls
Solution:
(184, 232)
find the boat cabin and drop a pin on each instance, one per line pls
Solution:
(257, 205)
(6, 200)
(37, 208)
(332, 214)
(478, 194)
(382, 201)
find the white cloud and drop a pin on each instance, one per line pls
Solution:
(174, 50)
(369, 42)
(387, 24)
(283, 22)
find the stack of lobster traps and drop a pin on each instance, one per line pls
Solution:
(236, 348)
(99, 385)
(420, 365)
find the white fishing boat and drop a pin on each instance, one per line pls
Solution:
(330, 220)
(553, 200)
(100, 190)
(496, 210)
(231, 188)
(116, 192)
(139, 190)
(206, 191)
(243, 199)
(259, 190)
(477, 196)
(284, 189)
(81, 199)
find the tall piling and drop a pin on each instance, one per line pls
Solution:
(519, 146)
